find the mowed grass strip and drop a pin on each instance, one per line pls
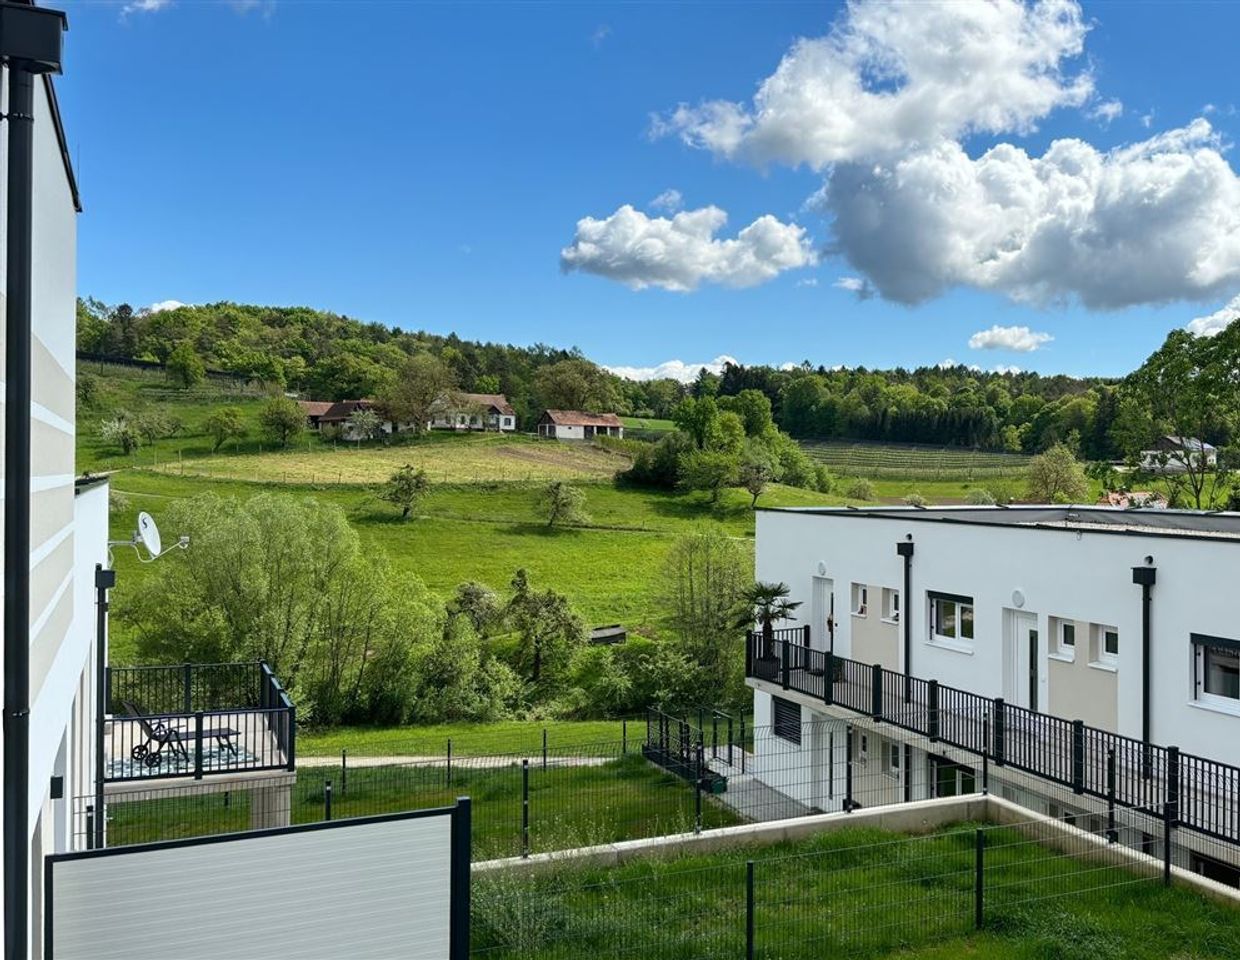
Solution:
(856, 893)
(447, 458)
(621, 799)
(471, 739)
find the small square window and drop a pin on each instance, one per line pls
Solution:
(1217, 669)
(1104, 644)
(1064, 633)
(863, 747)
(951, 617)
(860, 599)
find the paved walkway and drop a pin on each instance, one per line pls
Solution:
(750, 797)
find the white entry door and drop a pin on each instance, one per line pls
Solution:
(1022, 651)
(822, 610)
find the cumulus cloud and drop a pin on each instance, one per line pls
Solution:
(1214, 323)
(163, 305)
(1019, 339)
(890, 76)
(1151, 222)
(144, 6)
(673, 369)
(669, 201)
(682, 252)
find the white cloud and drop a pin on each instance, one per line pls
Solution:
(1007, 369)
(1107, 110)
(856, 285)
(682, 252)
(601, 33)
(163, 305)
(807, 282)
(1147, 119)
(891, 76)
(1214, 323)
(673, 369)
(144, 6)
(1020, 339)
(1148, 223)
(669, 201)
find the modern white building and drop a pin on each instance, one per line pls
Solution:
(1126, 620)
(68, 516)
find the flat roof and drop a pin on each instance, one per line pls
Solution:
(1201, 524)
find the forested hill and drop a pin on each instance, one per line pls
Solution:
(328, 356)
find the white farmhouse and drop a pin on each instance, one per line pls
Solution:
(579, 425)
(475, 411)
(1125, 620)
(1178, 454)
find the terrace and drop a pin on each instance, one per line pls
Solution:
(196, 721)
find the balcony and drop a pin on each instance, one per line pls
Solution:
(196, 721)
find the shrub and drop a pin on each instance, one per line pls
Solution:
(823, 480)
(915, 499)
(980, 497)
(860, 489)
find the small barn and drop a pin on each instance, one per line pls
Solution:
(579, 425)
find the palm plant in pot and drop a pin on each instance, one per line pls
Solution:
(763, 604)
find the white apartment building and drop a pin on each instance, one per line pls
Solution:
(68, 516)
(1127, 620)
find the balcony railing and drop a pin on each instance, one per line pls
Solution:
(196, 720)
(1199, 793)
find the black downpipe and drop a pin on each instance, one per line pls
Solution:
(1145, 578)
(104, 581)
(905, 549)
(17, 332)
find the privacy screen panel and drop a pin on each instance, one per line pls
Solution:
(366, 889)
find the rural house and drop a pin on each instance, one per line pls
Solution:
(475, 411)
(314, 411)
(578, 425)
(1176, 454)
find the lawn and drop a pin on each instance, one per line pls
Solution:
(621, 798)
(512, 736)
(857, 893)
(647, 425)
(446, 457)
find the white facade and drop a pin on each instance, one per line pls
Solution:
(68, 527)
(1035, 582)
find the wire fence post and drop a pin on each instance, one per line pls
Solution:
(327, 799)
(932, 711)
(742, 741)
(749, 918)
(1078, 756)
(448, 768)
(1112, 833)
(729, 740)
(699, 782)
(544, 748)
(525, 809)
(848, 772)
(1171, 811)
(90, 826)
(344, 771)
(986, 753)
(198, 745)
(979, 880)
(624, 737)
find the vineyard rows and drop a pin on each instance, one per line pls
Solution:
(914, 462)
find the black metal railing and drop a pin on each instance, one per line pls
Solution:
(1203, 794)
(195, 720)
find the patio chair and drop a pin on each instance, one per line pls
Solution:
(164, 731)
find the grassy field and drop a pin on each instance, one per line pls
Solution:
(446, 457)
(620, 799)
(514, 736)
(647, 425)
(611, 569)
(911, 462)
(861, 894)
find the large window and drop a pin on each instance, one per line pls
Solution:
(786, 719)
(1216, 670)
(951, 618)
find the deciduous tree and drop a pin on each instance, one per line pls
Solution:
(282, 419)
(405, 488)
(227, 423)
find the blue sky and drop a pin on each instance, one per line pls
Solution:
(426, 165)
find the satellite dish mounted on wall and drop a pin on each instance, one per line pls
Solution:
(148, 534)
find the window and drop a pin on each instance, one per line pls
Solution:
(1064, 632)
(786, 719)
(1216, 669)
(1216, 870)
(892, 757)
(860, 599)
(891, 604)
(863, 747)
(1104, 645)
(951, 617)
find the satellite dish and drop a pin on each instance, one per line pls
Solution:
(148, 533)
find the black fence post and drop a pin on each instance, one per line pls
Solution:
(749, 653)
(187, 685)
(742, 741)
(876, 684)
(1166, 853)
(198, 745)
(344, 771)
(848, 772)
(1000, 731)
(448, 768)
(749, 918)
(699, 782)
(544, 748)
(783, 662)
(828, 679)
(979, 880)
(525, 809)
(1078, 756)
(1112, 833)
(624, 737)
(729, 740)
(292, 738)
(327, 799)
(90, 826)
(932, 710)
